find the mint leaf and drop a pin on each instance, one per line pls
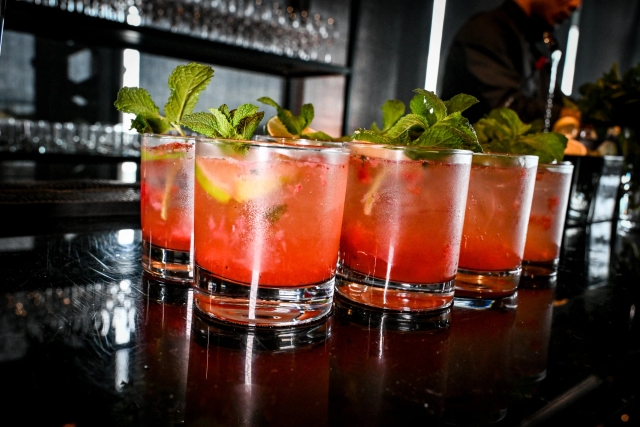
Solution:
(225, 110)
(186, 82)
(274, 213)
(547, 146)
(400, 132)
(217, 124)
(452, 132)
(243, 111)
(375, 128)
(502, 131)
(203, 123)
(306, 113)
(135, 100)
(318, 136)
(269, 101)
(460, 102)
(248, 125)
(434, 104)
(371, 136)
(392, 110)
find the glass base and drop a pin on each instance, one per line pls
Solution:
(534, 269)
(167, 264)
(498, 303)
(242, 304)
(486, 284)
(407, 297)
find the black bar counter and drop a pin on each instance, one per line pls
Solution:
(87, 340)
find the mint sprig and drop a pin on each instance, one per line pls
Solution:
(240, 123)
(502, 131)
(186, 83)
(392, 111)
(296, 125)
(431, 123)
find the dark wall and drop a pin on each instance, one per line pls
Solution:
(390, 57)
(609, 32)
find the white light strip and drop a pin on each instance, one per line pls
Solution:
(435, 43)
(130, 78)
(572, 52)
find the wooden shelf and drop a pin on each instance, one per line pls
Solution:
(56, 24)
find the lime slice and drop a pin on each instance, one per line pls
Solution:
(206, 181)
(251, 188)
(148, 156)
(277, 129)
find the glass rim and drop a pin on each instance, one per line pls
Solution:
(505, 160)
(422, 149)
(564, 166)
(271, 145)
(299, 141)
(165, 136)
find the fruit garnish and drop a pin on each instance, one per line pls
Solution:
(209, 184)
(250, 187)
(286, 125)
(502, 131)
(186, 82)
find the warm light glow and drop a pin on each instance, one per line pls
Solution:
(435, 43)
(572, 53)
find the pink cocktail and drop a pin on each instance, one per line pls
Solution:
(166, 205)
(402, 226)
(546, 222)
(267, 230)
(495, 225)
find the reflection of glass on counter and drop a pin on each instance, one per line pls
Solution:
(532, 331)
(387, 369)
(244, 376)
(479, 364)
(165, 312)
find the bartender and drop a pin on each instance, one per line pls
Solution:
(503, 58)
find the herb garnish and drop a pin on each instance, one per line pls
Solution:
(502, 131)
(186, 82)
(431, 123)
(296, 126)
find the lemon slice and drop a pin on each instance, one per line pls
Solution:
(209, 185)
(575, 148)
(148, 156)
(277, 129)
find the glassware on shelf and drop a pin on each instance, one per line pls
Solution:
(43, 137)
(265, 25)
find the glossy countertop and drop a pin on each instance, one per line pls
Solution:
(87, 340)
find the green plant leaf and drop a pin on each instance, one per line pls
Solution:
(268, 101)
(225, 128)
(365, 135)
(401, 130)
(452, 132)
(248, 125)
(318, 136)
(460, 102)
(242, 112)
(186, 82)
(392, 110)
(434, 104)
(203, 123)
(306, 113)
(135, 100)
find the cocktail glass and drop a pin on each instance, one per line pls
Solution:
(402, 226)
(267, 230)
(166, 205)
(546, 222)
(495, 225)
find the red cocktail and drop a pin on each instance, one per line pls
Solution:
(495, 225)
(546, 222)
(166, 205)
(402, 226)
(267, 230)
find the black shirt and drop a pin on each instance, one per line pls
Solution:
(499, 57)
